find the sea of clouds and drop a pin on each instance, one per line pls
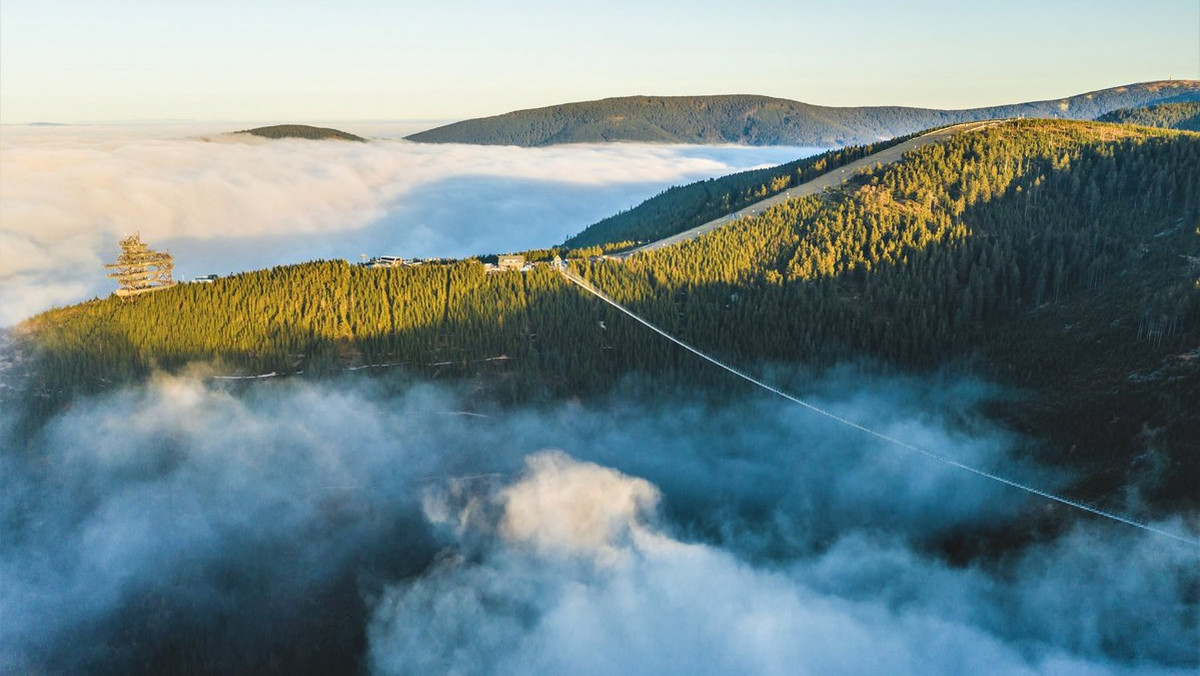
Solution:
(193, 525)
(223, 204)
(190, 525)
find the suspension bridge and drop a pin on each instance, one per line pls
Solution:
(587, 286)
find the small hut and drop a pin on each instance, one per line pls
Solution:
(140, 269)
(510, 262)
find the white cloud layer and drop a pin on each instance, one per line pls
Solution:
(68, 194)
(228, 526)
(579, 581)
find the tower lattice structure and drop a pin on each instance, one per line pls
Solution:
(140, 269)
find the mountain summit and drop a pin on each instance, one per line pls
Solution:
(763, 120)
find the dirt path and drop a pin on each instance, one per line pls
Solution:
(829, 179)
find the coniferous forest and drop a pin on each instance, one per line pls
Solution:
(682, 207)
(1060, 259)
(1185, 116)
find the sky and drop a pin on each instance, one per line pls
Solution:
(307, 61)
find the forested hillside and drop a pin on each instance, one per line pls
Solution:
(762, 120)
(682, 207)
(1059, 258)
(303, 131)
(1184, 116)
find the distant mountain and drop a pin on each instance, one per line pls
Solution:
(762, 120)
(302, 131)
(1185, 116)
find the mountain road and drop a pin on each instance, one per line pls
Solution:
(829, 179)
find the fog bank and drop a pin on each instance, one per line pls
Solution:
(200, 527)
(577, 578)
(222, 204)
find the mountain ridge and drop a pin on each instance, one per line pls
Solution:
(752, 119)
(301, 131)
(1175, 115)
(1054, 257)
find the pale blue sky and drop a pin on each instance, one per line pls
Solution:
(270, 60)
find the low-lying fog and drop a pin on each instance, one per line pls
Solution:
(223, 204)
(187, 525)
(183, 526)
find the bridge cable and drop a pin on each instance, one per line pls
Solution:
(587, 286)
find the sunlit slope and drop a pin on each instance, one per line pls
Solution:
(763, 120)
(1061, 258)
(682, 207)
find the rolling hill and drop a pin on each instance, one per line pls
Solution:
(303, 131)
(762, 120)
(681, 207)
(1185, 116)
